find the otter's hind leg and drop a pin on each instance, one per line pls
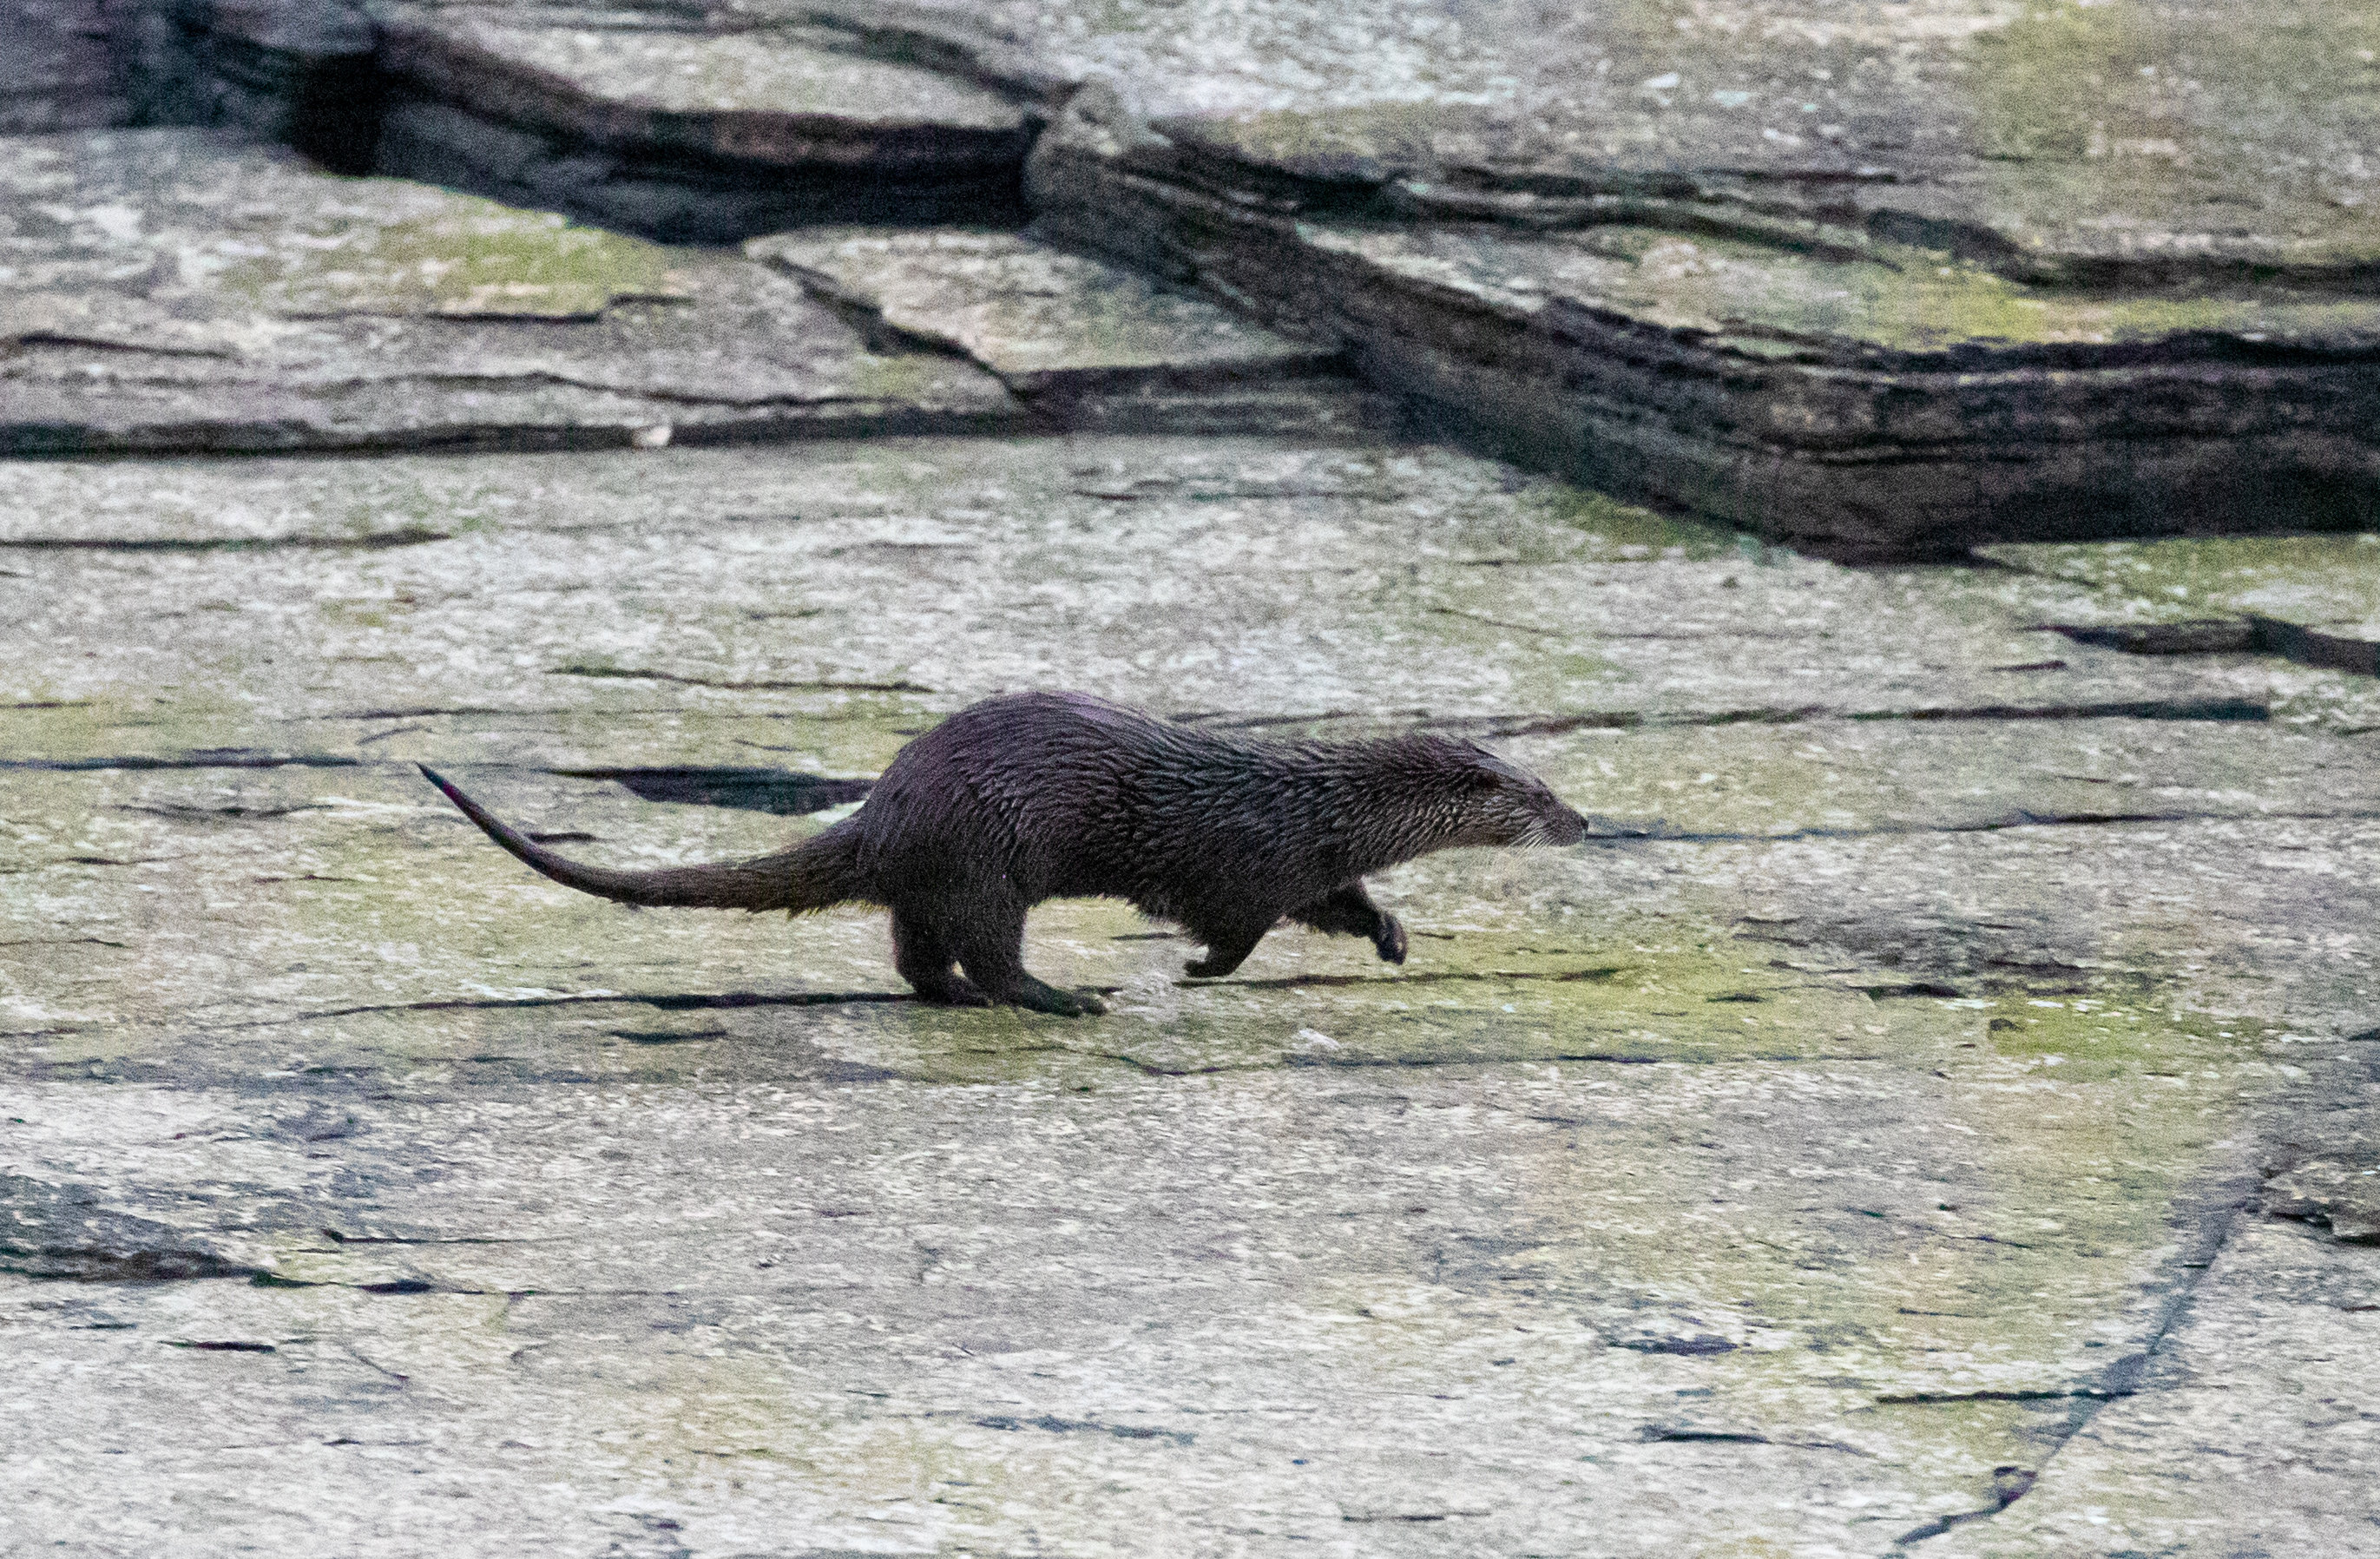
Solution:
(922, 953)
(1228, 943)
(1348, 910)
(991, 946)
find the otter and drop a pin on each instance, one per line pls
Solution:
(1039, 796)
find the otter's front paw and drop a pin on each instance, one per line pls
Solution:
(1390, 938)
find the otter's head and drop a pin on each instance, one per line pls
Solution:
(1495, 802)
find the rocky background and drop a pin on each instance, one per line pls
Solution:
(1908, 469)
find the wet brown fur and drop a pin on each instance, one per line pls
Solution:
(1039, 796)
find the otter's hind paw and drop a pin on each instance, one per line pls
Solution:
(1035, 996)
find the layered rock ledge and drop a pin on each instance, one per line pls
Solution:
(1872, 278)
(1836, 352)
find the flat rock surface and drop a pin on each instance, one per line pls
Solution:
(1850, 1128)
(1039, 317)
(172, 290)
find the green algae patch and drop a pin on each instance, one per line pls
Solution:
(2105, 1037)
(474, 259)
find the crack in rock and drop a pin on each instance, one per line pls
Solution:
(1654, 1435)
(1698, 1345)
(338, 1237)
(2198, 636)
(1496, 726)
(1440, 976)
(1947, 1398)
(2009, 1484)
(181, 812)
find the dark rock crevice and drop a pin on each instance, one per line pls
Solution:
(1052, 1424)
(1497, 726)
(691, 1001)
(2009, 1484)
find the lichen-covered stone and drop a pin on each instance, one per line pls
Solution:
(2251, 1431)
(2068, 142)
(171, 290)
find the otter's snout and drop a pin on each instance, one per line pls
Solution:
(1568, 827)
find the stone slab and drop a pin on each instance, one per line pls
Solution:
(1092, 346)
(648, 121)
(1828, 388)
(1039, 317)
(174, 290)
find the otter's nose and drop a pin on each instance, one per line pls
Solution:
(1573, 828)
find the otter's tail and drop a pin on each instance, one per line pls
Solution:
(819, 871)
